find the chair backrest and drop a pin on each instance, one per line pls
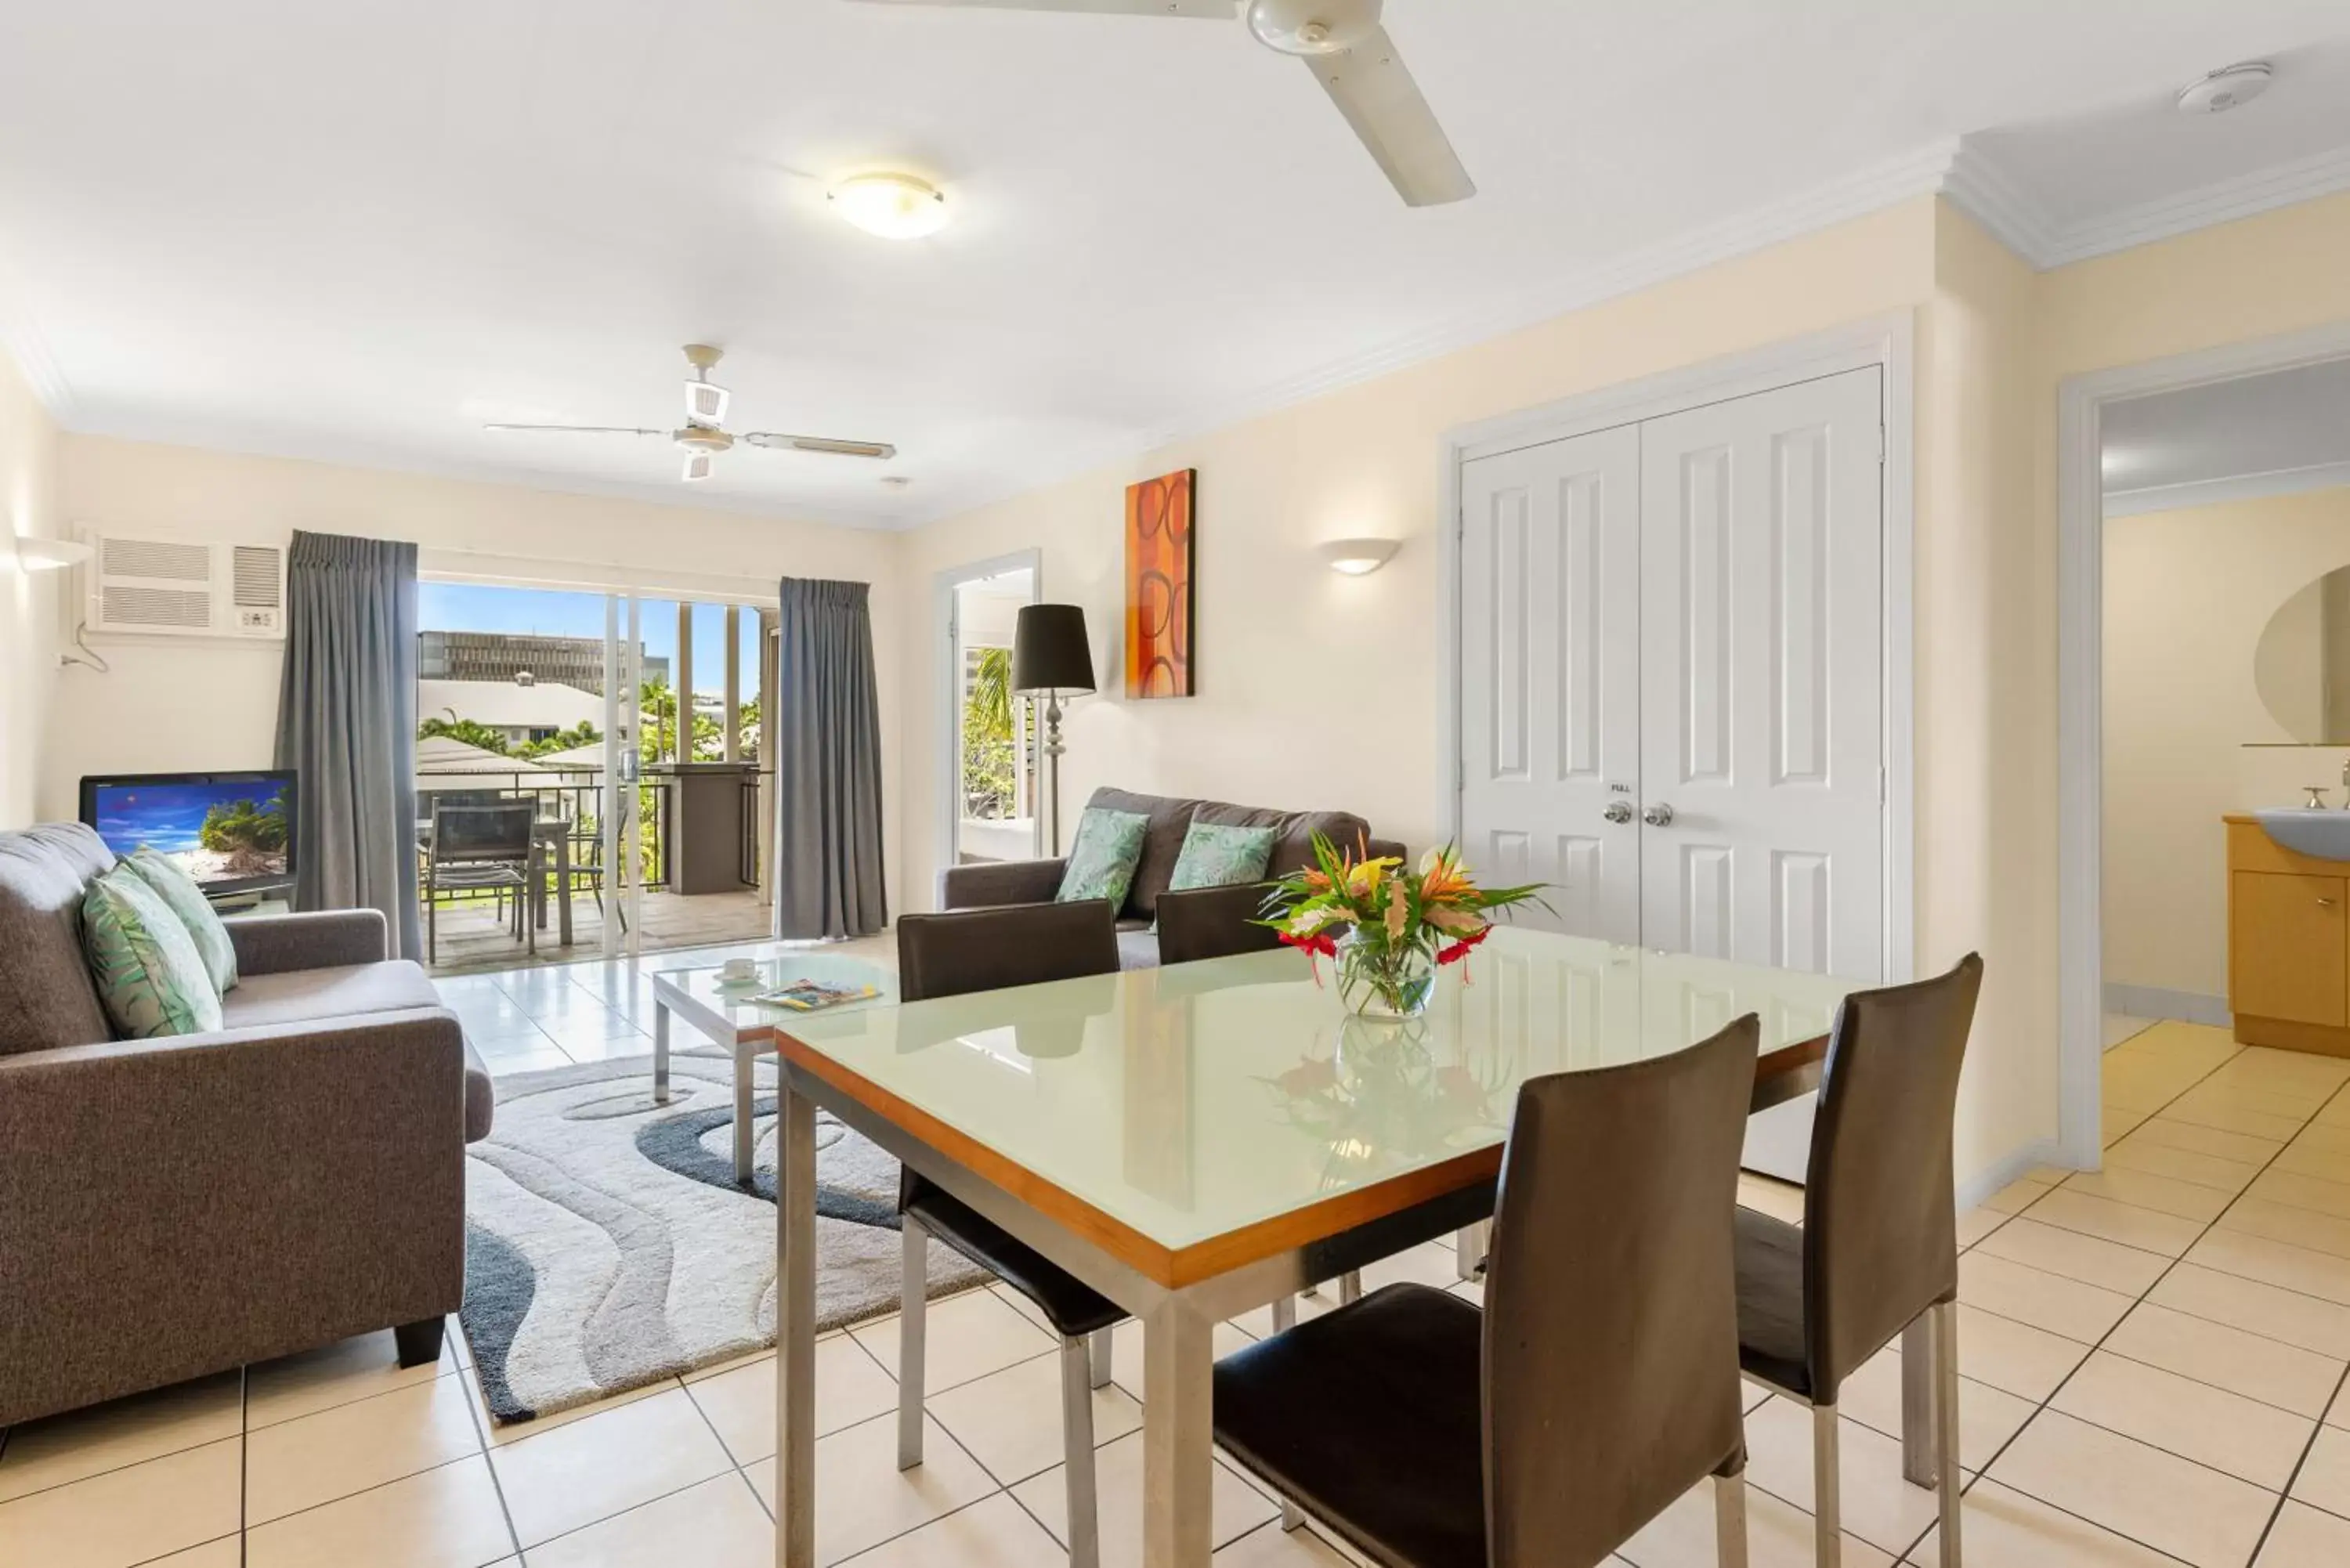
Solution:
(1880, 1225)
(1611, 1313)
(1018, 944)
(1213, 922)
(440, 797)
(500, 832)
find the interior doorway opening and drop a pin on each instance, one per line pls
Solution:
(991, 788)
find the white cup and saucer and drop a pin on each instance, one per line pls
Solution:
(739, 971)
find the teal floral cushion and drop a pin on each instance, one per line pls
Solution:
(1102, 861)
(1218, 856)
(150, 979)
(180, 892)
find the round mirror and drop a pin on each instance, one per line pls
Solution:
(2302, 667)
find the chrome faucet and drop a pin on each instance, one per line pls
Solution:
(2317, 797)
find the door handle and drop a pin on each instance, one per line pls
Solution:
(1658, 816)
(1618, 812)
(2326, 903)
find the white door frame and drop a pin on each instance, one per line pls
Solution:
(1888, 341)
(2080, 682)
(950, 684)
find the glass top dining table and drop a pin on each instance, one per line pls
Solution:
(1200, 1140)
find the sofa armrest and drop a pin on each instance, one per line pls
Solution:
(1382, 849)
(273, 944)
(1213, 922)
(987, 886)
(181, 1205)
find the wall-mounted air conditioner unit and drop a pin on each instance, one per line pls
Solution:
(169, 587)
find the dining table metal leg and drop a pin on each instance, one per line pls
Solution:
(660, 1052)
(1918, 1465)
(562, 888)
(746, 1124)
(1177, 1436)
(796, 1330)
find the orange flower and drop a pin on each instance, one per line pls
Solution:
(1442, 877)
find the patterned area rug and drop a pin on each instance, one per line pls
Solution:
(607, 1246)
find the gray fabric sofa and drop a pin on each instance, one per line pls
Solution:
(177, 1207)
(1194, 923)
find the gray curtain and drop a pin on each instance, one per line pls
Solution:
(827, 759)
(347, 720)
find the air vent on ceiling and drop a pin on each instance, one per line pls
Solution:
(160, 587)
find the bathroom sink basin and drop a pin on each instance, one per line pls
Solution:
(2322, 834)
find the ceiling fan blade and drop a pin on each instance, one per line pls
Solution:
(1210, 10)
(774, 438)
(579, 429)
(1383, 104)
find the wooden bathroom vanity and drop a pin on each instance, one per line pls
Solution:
(2288, 944)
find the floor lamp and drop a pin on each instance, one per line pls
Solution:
(1052, 658)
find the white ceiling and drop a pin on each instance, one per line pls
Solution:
(355, 231)
(2285, 426)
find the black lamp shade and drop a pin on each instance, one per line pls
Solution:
(1050, 651)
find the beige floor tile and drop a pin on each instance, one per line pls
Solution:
(2209, 1170)
(994, 1532)
(1778, 1536)
(2297, 1189)
(2145, 1082)
(80, 1443)
(2143, 1189)
(316, 1458)
(2247, 1440)
(499, 1435)
(2302, 1537)
(2006, 1529)
(1237, 1507)
(2338, 1415)
(1011, 1420)
(2239, 1252)
(1974, 1224)
(591, 1470)
(2123, 1223)
(2267, 1310)
(1127, 1347)
(2303, 1157)
(2225, 1118)
(863, 1499)
(963, 1337)
(1879, 1506)
(850, 1387)
(2282, 1222)
(1988, 1416)
(2243, 1147)
(2117, 1122)
(2017, 1196)
(1270, 1546)
(2324, 1135)
(2014, 1358)
(2324, 1478)
(1780, 1200)
(2018, 1290)
(718, 1524)
(2169, 1503)
(2220, 1354)
(445, 1518)
(127, 1515)
(228, 1552)
(356, 1368)
(2109, 1265)
(2293, 1102)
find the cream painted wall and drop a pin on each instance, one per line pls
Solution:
(180, 705)
(2187, 595)
(28, 601)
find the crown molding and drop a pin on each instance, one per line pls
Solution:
(2220, 491)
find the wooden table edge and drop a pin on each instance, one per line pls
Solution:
(1779, 1075)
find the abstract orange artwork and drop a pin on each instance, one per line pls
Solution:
(1158, 604)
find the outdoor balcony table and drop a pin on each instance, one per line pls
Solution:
(1201, 1140)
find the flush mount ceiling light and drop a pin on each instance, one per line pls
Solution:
(2225, 88)
(894, 206)
(1359, 558)
(35, 555)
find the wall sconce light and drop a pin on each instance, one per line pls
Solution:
(1359, 558)
(38, 554)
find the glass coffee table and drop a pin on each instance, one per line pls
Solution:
(725, 1013)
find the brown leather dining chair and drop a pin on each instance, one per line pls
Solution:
(1878, 1245)
(1599, 1384)
(988, 949)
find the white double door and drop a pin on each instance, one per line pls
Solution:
(1671, 678)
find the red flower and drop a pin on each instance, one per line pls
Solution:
(1453, 953)
(1320, 942)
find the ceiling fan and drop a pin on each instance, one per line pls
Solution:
(705, 412)
(1350, 54)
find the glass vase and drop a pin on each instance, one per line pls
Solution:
(1382, 980)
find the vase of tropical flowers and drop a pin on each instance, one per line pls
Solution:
(1389, 927)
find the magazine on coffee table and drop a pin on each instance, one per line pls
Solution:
(815, 995)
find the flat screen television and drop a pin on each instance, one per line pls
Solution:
(232, 832)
